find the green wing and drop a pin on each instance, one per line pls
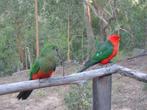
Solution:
(35, 68)
(103, 52)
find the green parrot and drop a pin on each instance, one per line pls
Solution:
(43, 67)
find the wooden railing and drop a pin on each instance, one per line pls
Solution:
(101, 83)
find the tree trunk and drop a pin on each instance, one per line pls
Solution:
(19, 42)
(98, 5)
(145, 30)
(28, 60)
(21, 52)
(82, 46)
(68, 40)
(37, 28)
(90, 35)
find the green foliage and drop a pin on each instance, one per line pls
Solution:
(15, 32)
(79, 97)
(132, 18)
(8, 55)
(17, 27)
(76, 47)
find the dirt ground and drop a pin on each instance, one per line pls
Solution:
(127, 93)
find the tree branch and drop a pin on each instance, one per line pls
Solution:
(71, 79)
(96, 13)
(56, 81)
(133, 74)
(137, 56)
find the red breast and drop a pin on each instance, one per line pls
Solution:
(114, 39)
(41, 75)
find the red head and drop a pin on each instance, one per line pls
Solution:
(114, 38)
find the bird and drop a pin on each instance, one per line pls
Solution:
(44, 66)
(105, 53)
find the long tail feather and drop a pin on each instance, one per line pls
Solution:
(87, 65)
(24, 94)
(83, 69)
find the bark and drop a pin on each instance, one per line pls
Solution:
(37, 27)
(145, 30)
(90, 34)
(69, 40)
(21, 52)
(28, 58)
(19, 42)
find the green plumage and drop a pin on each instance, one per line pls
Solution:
(102, 52)
(46, 61)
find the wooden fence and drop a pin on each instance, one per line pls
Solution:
(101, 83)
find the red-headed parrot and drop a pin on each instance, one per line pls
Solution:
(105, 52)
(43, 67)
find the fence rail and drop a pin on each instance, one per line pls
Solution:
(101, 83)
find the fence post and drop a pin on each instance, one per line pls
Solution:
(102, 93)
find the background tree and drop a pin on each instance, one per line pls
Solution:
(37, 27)
(71, 25)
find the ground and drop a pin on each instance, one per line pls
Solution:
(127, 93)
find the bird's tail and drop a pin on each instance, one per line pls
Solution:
(24, 94)
(83, 69)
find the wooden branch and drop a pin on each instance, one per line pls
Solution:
(133, 74)
(56, 81)
(96, 13)
(71, 79)
(137, 56)
(127, 31)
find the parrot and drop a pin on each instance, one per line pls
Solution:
(105, 53)
(43, 67)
